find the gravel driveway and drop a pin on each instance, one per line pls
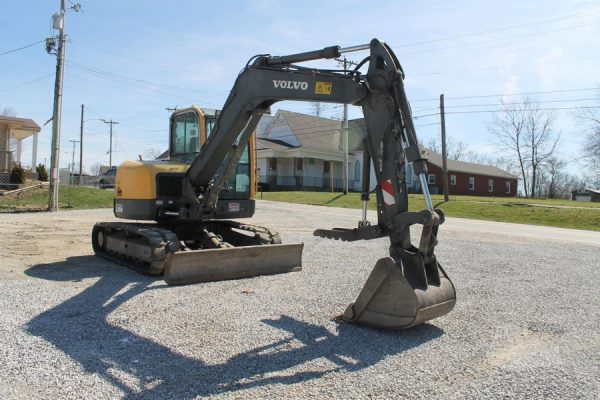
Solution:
(526, 323)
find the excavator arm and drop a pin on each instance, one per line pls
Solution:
(405, 289)
(257, 87)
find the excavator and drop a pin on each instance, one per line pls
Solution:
(190, 196)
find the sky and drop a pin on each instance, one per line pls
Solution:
(128, 61)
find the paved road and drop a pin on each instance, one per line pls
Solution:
(452, 226)
(75, 326)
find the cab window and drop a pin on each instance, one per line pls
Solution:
(210, 124)
(184, 134)
(238, 184)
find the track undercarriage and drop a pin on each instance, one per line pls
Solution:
(186, 253)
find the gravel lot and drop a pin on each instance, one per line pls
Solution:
(526, 323)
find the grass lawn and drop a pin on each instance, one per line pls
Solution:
(559, 213)
(37, 199)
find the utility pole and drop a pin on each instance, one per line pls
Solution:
(58, 22)
(72, 170)
(80, 146)
(444, 151)
(344, 62)
(73, 156)
(111, 122)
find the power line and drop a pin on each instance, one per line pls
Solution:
(570, 16)
(26, 83)
(496, 40)
(529, 65)
(511, 94)
(152, 93)
(122, 55)
(536, 109)
(21, 48)
(504, 104)
(506, 110)
(102, 72)
(142, 129)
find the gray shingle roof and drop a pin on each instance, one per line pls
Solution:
(357, 129)
(273, 144)
(306, 130)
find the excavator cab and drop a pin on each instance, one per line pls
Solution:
(189, 130)
(151, 190)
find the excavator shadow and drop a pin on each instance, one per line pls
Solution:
(143, 368)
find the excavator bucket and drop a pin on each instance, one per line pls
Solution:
(186, 267)
(402, 294)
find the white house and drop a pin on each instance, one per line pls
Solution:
(18, 129)
(300, 152)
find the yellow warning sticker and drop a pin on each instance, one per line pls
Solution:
(323, 87)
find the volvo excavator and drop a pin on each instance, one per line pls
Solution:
(188, 195)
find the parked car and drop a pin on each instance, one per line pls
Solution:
(107, 180)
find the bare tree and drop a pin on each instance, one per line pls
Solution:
(592, 143)
(10, 112)
(317, 108)
(525, 133)
(456, 150)
(554, 182)
(591, 146)
(152, 153)
(95, 168)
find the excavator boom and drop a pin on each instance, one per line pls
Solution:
(405, 289)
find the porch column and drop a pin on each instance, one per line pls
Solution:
(34, 152)
(19, 147)
(4, 149)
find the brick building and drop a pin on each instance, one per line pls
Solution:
(465, 178)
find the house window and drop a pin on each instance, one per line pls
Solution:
(272, 164)
(431, 179)
(326, 167)
(299, 164)
(471, 183)
(453, 180)
(357, 171)
(508, 187)
(490, 185)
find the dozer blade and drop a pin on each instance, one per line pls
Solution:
(186, 267)
(388, 300)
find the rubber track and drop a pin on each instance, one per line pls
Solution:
(163, 240)
(158, 239)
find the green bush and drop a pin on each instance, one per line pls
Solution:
(42, 173)
(17, 175)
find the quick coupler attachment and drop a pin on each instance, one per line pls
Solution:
(402, 293)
